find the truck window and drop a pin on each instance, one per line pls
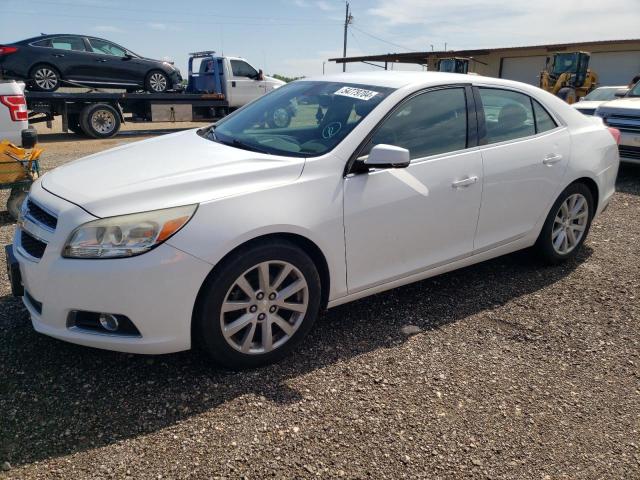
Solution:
(240, 68)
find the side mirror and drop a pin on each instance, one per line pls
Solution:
(127, 56)
(581, 99)
(260, 76)
(620, 93)
(388, 156)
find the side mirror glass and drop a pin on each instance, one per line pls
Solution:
(388, 156)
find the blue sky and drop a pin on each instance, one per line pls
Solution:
(293, 37)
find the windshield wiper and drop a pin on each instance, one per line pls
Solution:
(244, 146)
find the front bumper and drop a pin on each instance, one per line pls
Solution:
(156, 290)
(629, 147)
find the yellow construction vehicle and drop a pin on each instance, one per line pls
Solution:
(567, 75)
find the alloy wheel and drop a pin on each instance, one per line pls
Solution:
(45, 78)
(570, 223)
(264, 307)
(158, 82)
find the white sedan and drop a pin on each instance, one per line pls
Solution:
(234, 237)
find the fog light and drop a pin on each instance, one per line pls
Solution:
(108, 322)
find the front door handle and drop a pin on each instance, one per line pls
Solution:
(465, 182)
(552, 158)
(100, 60)
(59, 55)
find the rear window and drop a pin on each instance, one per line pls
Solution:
(42, 43)
(68, 43)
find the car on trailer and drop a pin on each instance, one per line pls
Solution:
(49, 62)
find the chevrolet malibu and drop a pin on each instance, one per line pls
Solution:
(235, 236)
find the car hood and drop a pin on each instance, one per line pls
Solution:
(588, 104)
(622, 105)
(178, 169)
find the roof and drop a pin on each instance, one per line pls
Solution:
(421, 57)
(391, 79)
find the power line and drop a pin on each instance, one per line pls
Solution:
(174, 21)
(174, 12)
(382, 39)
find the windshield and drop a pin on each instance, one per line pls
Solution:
(300, 119)
(565, 62)
(635, 91)
(602, 94)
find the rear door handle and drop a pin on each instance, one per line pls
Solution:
(465, 182)
(100, 60)
(552, 158)
(58, 55)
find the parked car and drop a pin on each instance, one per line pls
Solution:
(49, 61)
(233, 237)
(597, 97)
(624, 114)
(14, 119)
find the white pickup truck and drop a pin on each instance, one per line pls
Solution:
(13, 112)
(624, 114)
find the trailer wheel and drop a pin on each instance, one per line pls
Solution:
(100, 120)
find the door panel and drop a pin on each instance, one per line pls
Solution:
(247, 87)
(402, 221)
(522, 173)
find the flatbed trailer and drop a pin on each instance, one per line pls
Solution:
(100, 114)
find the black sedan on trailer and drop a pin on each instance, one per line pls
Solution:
(50, 61)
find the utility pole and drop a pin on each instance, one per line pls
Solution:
(348, 18)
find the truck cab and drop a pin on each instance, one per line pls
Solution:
(232, 77)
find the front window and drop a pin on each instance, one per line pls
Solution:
(300, 119)
(635, 91)
(241, 68)
(106, 48)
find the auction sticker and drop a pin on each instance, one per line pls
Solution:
(359, 93)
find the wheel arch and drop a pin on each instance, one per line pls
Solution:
(591, 184)
(302, 242)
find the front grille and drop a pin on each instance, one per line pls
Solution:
(40, 215)
(32, 245)
(624, 123)
(33, 302)
(629, 152)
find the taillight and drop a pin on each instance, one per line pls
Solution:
(7, 50)
(17, 107)
(616, 134)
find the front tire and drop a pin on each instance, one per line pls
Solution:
(157, 82)
(257, 305)
(567, 224)
(44, 78)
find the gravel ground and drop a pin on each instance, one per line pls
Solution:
(511, 370)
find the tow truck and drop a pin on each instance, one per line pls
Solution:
(216, 86)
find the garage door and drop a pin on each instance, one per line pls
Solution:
(523, 69)
(615, 68)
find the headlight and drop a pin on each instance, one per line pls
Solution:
(127, 235)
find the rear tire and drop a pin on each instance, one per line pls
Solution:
(44, 78)
(251, 326)
(100, 120)
(567, 224)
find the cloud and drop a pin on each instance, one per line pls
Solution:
(493, 23)
(162, 26)
(107, 28)
(326, 6)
